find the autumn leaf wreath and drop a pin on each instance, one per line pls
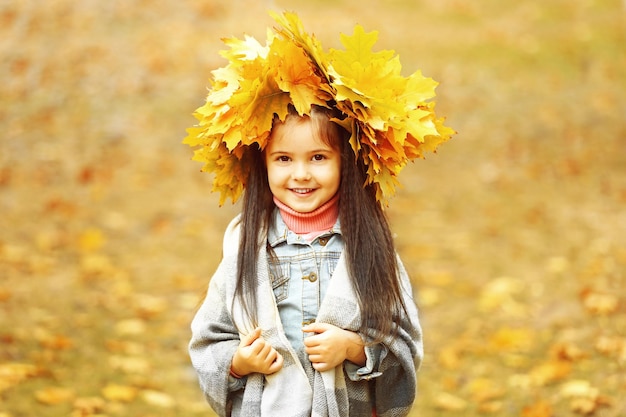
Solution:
(391, 117)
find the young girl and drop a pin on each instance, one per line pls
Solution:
(310, 312)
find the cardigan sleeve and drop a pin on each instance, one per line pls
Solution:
(373, 355)
(213, 343)
(401, 358)
(392, 365)
(214, 337)
(409, 334)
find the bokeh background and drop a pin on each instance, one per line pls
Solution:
(514, 232)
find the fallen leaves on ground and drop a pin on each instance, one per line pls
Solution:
(54, 395)
(513, 233)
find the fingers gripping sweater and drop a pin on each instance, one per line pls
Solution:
(219, 324)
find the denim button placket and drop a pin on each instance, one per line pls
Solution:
(312, 277)
(310, 287)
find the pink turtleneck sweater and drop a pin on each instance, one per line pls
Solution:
(310, 225)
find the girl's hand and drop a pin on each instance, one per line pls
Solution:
(330, 346)
(254, 354)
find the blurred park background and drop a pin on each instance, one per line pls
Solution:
(514, 232)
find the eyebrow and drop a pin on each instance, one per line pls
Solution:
(313, 152)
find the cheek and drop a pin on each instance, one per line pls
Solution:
(338, 170)
(335, 176)
(272, 175)
(276, 176)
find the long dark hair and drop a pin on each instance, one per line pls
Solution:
(370, 252)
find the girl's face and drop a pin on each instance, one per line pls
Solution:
(303, 171)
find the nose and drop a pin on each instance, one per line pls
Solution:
(301, 172)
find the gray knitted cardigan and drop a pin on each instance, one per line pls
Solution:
(218, 326)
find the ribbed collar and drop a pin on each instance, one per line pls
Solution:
(321, 219)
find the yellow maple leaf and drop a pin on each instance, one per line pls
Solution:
(157, 398)
(225, 83)
(484, 390)
(91, 240)
(54, 395)
(296, 75)
(419, 125)
(360, 75)
(549, 372)
(247, 49)
(269, 99)
(567, 351)
(129, 365)
(14, 373)
(292, 28)
(511, 339)
(419, 88)
(539, 409)
(121, 393)
(87, 406)
(56, 342)
(579, 388)
(599, 303)
(450, 402)
(358, 49)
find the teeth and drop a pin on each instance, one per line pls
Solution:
(302, 190)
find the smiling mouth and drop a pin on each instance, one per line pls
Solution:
(302, 190)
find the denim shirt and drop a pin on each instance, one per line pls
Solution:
(300, 272)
